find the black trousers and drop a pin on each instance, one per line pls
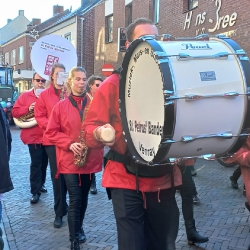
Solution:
(237, 173)
(152, 228)
(187, 190)
(59, 186)
(38, 167)
(78, 188)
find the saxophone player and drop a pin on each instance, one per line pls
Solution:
(33, 137)
(78, 168)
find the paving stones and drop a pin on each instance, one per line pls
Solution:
(221, 215)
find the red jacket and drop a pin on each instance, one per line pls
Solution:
(34, 134)
(63, 129)
(45, 103)
(104, 109)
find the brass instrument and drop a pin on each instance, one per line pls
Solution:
(26, 121)
(79, 160)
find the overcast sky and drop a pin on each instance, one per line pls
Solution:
(33, 8)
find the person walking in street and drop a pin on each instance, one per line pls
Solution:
(46, 102)
(146, 213)
(24, 106)
(63, 131)
(5, 149)
(187, 192)
(93, 84)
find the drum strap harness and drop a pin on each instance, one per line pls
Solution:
(139, 170)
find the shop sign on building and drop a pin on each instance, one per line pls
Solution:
(219, 23)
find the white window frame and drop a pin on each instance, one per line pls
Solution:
(13, 57)
(109, 29)
(192, 4)
(7, 58)
(68, 36)
(21, 54)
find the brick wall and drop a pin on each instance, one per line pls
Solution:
(171, 21)
(22, 41)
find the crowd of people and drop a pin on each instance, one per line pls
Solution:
(70, 121)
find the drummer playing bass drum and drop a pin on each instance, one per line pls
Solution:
(147, 219)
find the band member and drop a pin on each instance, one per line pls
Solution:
(93, 84)
(63, 131)
(147, 218)
(46, 102)
(33, 137)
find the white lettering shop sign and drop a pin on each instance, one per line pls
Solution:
(219, 23)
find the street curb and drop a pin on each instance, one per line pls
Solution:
(6, 244)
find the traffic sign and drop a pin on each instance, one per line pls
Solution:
(107, 69)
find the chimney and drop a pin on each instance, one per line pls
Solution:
(9, 20)
(35, 21)
(57, 9)
(21, 12)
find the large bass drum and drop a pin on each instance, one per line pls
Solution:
(184, 98)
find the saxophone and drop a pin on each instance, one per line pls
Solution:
(79, 160)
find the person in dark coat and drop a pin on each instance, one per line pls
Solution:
(5, 148)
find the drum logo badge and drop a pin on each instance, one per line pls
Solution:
(190, 46)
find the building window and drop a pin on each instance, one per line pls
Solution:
(21, 54)
(109, 29)
(156, 10)
(128, 14)
(192, 4)
(68, 36)
(13, 57)
(7, 58)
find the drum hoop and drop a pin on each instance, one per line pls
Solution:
(169, 125)
(245, 65)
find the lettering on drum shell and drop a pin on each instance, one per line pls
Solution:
(146, 127)
(190, 46)
(137, 55)
(146, 151)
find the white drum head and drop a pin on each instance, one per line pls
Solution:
(144, 101)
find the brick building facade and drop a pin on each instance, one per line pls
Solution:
(175, 17)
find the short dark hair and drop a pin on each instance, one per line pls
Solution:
(34, 75)
(91, 80)
(131, 28)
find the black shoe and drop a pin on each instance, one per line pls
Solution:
(82, 236)
(93, 189)
(234, 183)
(193, 173)
(196, 238)
(35, 198)
(43, 189)
(75, 245)
(196, 200)
(58, 222)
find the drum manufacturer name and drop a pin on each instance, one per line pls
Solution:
(190, 46)
(146, 128)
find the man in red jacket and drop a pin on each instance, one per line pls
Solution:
(46, 102)
(33, 138)
(147, 219)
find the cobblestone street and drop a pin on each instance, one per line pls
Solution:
(221, 214)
